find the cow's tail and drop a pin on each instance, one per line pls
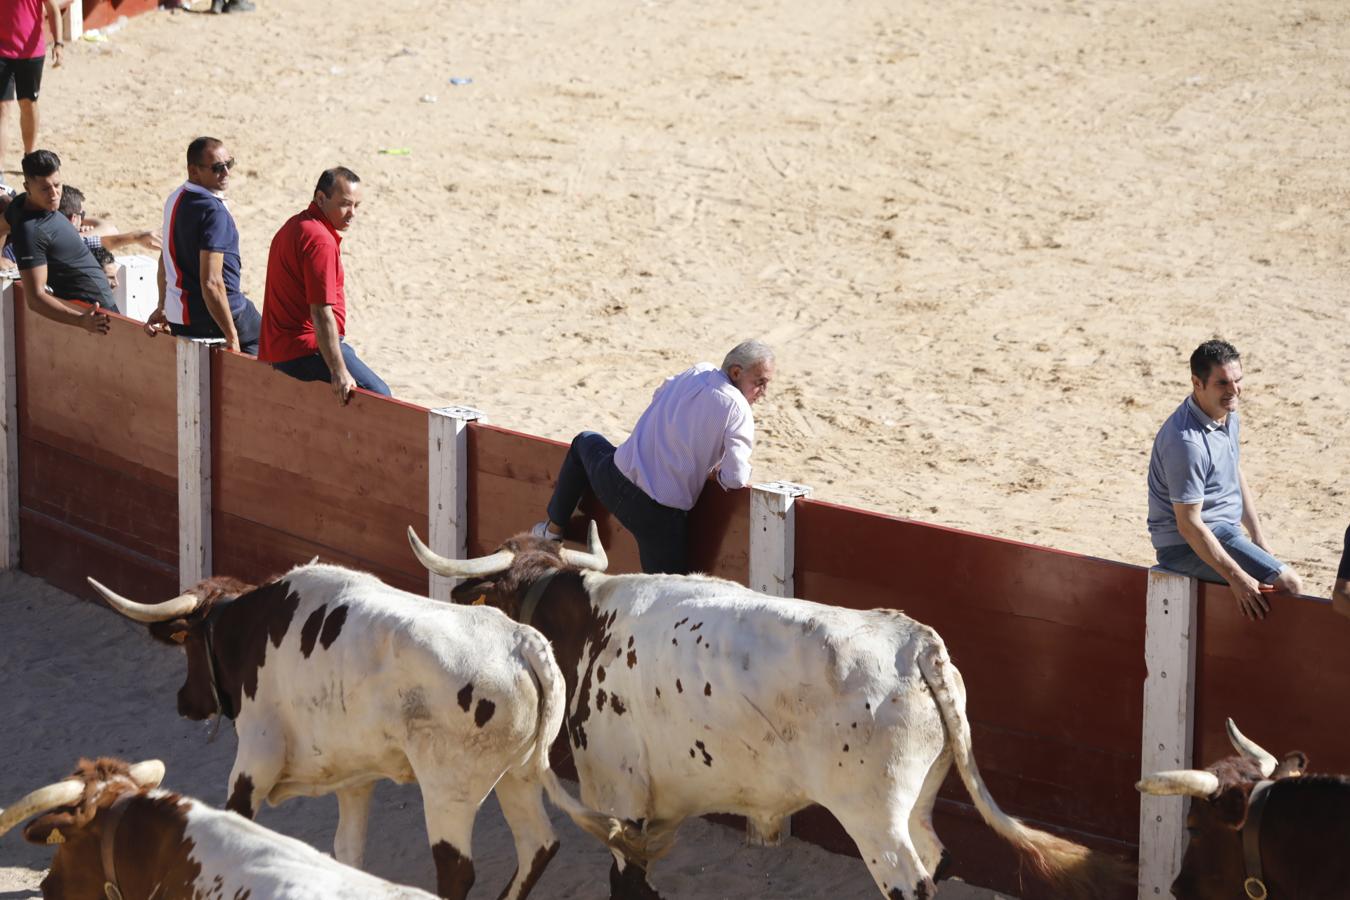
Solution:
(1075, 870)
(620, 835)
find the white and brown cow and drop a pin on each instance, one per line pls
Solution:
(117, 835)
(336, 680)
(690, 695)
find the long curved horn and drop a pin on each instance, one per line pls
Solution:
(178, 607)
(1250, 749)
(63, 793)
(1187, 782)
(147, 774)
(593, 558)
(459, 568)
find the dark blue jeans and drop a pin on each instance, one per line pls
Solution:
(247, 324)
(313, 368)
(661, 531)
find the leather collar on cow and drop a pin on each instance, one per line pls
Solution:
(1254, 885)
(534, 595)
(106, 846)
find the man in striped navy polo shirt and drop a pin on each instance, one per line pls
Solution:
(199, 268)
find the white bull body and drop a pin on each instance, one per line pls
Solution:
(738, 702)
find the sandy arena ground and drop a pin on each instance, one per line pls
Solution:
(56, 651)
(983, 235)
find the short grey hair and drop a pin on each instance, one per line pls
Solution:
(747, 354)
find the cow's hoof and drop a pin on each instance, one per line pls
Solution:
(944, 867)
(630, 884)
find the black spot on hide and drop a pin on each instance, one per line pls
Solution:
(465, 696)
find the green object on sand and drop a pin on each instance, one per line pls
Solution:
(396, 151)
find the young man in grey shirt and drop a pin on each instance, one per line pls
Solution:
(1198, 500)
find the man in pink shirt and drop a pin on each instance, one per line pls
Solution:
(698, 425)
(23, 47)
(304, 315)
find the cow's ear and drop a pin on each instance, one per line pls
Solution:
(51, 828)
(474, 592)
(178, 636)
(1292, 766)
(1231, 806)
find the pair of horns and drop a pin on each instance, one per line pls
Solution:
(146, 774)
(593, 557)
(179, 606)
(1199, 783)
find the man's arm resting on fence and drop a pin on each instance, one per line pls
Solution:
(330, 348)
(49, 307)
(1206, 546)
(217, 298)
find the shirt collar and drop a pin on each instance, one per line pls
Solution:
(1203, 418)
(315, 213)
(198, 189)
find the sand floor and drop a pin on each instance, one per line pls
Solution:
(984, 236)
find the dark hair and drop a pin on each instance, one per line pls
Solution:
(199, 147)
(72, 201)
(330, 176)
(1210, 354)
(41, 163)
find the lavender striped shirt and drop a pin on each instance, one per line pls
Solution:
(698, 421)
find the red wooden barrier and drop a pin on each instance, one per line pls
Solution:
(1283, 680)
(297, 475)
(98, 462)
(1050, 645)
(101, 13)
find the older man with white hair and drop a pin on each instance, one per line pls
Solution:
(698, 424)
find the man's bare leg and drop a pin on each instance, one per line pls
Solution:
(1288, 581)
(7, 110)
(28, 124)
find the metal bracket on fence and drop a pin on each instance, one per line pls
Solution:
(1169, 723)
(194, 459)
(9, 425)
(448, 487)
(773, 551)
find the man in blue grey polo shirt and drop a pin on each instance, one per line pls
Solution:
(1198, 499)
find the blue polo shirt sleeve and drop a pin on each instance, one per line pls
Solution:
(217, 229)
(1186, 466)
(30, 245)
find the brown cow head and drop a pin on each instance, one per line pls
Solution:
(1213, 867)
(70, 815)
(184, 622)
(502, 579)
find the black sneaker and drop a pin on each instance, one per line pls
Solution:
(239, 6)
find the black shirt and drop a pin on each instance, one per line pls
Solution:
(45, 238)
(1344, 571)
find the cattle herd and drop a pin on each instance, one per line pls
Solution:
(678, 696)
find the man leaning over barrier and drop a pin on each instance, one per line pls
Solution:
(54, 262)
(1198, 499)
(699, 423)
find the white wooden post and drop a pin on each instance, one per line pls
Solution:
(448, 488)
(194, 460)
(73, 26)
(773, 548)
(9, 424)
(1169, 720)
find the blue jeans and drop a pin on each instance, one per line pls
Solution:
(1254, 561)
(313, 368)
(247, 324)
(661, 531)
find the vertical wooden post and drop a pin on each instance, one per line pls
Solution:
(9, 425)
(194, 459)
(1169, 724)
(773, 551)
(72, 24)
(448, 488)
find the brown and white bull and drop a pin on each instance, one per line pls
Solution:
(1259, 827)
(336, 680)
(690, 695)
(119, 837)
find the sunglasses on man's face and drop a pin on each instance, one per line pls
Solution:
(221, 168)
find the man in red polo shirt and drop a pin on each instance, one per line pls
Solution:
(305, 307)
